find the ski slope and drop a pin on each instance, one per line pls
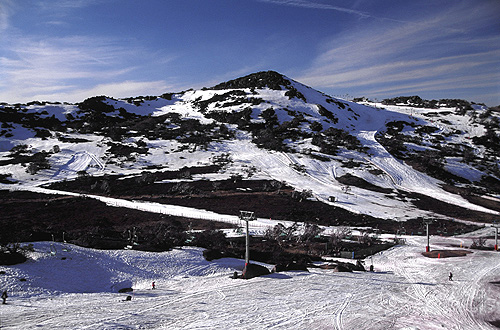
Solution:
(406, 291)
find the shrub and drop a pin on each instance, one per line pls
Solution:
(316, 126)
(269, 115)
(38, 162)
(326, 113)
(478, 243)
(267, 139)
(210, 239)
(310, 232)
(293, 92)
(19, 149)
(13, 253)
(270, 79)
(146, 178)
(162, 236)
(302, 195)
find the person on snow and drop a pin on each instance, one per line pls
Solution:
(450, 278)
(153, 285)
(4, 297)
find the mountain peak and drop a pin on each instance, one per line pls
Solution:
(270, 79)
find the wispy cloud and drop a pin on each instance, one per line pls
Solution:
(456, 84)
(54, 67)
(436, 49)
(62, 12)
(55, 5)
(403, 70)
(5, 12)
(114, 89)
(325, 6)
(315, 5)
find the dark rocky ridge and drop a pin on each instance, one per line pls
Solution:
(269, 79)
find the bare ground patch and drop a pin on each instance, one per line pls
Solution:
(446, 253)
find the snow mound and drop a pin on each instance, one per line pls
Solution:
(64, 268)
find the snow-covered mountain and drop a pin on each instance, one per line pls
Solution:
(389, 161)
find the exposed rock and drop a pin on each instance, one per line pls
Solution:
(270, 79)
(210, 255)
(253, 270)
(289, 266)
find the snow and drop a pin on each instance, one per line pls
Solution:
(456, 167)
(362, 121)
(319, 177)
(80, 161)
(75, 288)
(59, 111)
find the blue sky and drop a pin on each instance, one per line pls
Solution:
(69, 50)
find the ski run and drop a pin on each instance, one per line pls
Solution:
(64, 286)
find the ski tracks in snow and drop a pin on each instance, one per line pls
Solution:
(338, 315)
(469, 290)
(434, 299)
(80, 161)
(166, 302)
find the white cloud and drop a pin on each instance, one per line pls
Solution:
(55, 67)
(472, 81)
(117, 90)
(398, 71)
(435, 51)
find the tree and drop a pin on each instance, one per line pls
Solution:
(38, 162)
(478, 243)
(210, 239)
(280, 233)
(336, 237)
(270, 117)
(302, 195)
(316, 126)
(365, 238)
(310, 232)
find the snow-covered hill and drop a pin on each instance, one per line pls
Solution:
(403, 159)
(266, 126)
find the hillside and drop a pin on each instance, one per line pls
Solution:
(400, 161)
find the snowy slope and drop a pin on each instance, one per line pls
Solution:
(406, 291)
(90, 152)
(70, 287)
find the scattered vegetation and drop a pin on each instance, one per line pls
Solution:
(331, 139)
(328, 114)
(417, 101)
(13, 253)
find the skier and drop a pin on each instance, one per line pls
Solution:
(153, 285)
(450, 278)
(4, 297)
